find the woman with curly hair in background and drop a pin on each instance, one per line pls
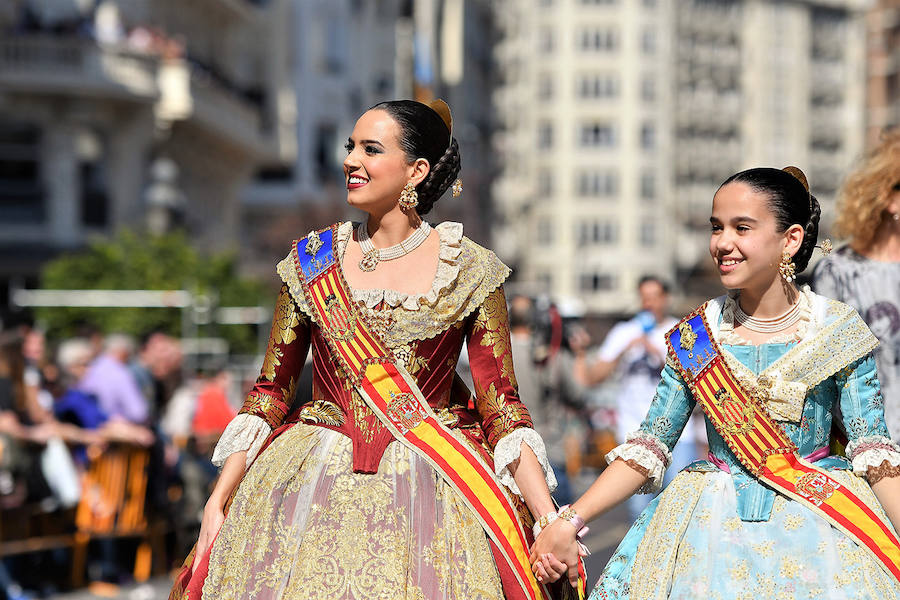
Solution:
(865, 273)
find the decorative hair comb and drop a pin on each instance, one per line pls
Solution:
(797, 173)
(799, 176)
(442, 109)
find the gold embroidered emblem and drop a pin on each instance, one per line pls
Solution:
(816, 487)
(313, 243)
(323, 411)
(342, 324)
(737, 417)
(403, 411)
(688, 337)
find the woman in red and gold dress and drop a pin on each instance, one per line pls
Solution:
(327, 501)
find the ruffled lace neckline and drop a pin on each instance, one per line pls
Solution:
(728, 336)
(450, 234)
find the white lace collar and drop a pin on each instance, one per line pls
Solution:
(450, 233)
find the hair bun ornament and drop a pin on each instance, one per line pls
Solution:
(826, 247)
(798, 174)
(442, 109)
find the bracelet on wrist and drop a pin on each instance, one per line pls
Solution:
(567, 513)
(543, 522)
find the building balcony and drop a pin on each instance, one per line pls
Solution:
(190, 94)
(70, 66)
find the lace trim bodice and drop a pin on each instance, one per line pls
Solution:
(467, 273)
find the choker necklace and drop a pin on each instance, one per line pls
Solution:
(779, 323)
(372, 255)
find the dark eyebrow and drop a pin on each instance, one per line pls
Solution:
(367, 142)
(713, 219)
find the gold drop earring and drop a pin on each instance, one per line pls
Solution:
(786, 267)
(409, 197)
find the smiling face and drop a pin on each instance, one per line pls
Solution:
(376, 167)
(745, 243)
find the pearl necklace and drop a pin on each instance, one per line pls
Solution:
(372, 255)
(779, 323)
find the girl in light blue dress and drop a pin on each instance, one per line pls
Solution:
(718, 531)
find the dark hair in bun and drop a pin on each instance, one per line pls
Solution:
(423, 134)
(789, 200)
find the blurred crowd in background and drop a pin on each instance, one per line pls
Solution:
(70, 406)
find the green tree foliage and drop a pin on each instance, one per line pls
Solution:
(132, 261)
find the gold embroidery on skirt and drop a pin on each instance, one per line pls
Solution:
(655, 560)
(284, 536)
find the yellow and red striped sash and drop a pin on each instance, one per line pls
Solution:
(765, 450)
(392, 394)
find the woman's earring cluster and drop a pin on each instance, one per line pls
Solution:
(409, 198)
(786, 267)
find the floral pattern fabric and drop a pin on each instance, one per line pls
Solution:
(304, 525)
(724, 535)
(330, 507)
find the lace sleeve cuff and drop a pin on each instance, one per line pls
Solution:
(874, 457)
(647, 454)
(245, 432)
(508, 450)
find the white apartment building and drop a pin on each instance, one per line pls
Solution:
(113, 110)
(584, 139)
(621, 117)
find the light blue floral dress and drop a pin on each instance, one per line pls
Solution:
(716, 532)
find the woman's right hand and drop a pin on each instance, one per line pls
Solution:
(213, 517)
(214, 511)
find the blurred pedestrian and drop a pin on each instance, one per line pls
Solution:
(634, 352)
(112, 382)
(552, 409)
(865, 273)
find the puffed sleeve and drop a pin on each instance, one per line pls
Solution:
(269, 400)
(649, 449)
(504, 418)
(870, 448)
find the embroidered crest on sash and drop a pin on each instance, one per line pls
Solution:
(737, 416)
(343, 324)
(404, 411)
(816, 487)
(313, 244)
(688, 337)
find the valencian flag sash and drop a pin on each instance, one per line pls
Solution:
(765, 450)
(392, 394)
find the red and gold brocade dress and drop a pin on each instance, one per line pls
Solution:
(330, 507)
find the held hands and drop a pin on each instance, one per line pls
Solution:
(556, 552)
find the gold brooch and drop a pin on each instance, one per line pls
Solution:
(688, 337)
(313, 243)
